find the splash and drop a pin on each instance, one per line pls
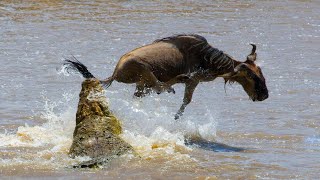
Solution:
(42, 146)
(161, 145)
(148, 126)
(55, 131)
(144, 115)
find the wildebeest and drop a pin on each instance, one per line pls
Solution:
(186, 58)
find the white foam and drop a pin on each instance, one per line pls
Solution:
(148, 123)
(50, 141)
(147, 114)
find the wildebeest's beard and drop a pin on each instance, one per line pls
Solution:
(252, 84)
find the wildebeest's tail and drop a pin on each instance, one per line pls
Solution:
(107, 82)
(76, 65)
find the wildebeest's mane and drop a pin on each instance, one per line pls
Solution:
(180, 35)
(212, 57)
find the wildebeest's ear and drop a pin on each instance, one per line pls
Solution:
(253, 55)
(236, 72)
(228, 75)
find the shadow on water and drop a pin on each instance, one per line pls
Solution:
(211, 146)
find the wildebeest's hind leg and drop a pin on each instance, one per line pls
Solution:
(182, 78)
(141, 90)
(135, 71)
(189, 89)
(107, 82)
(149, 80)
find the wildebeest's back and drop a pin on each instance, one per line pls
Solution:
(164, 59)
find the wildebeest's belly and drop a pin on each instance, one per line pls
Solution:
(165, 73)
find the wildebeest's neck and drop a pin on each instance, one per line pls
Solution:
(200, 54)
(216, 60)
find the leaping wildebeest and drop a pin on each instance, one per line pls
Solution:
(186, 58)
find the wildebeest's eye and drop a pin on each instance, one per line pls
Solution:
(244, 68)
(259, 70)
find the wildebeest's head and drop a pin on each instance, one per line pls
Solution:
(250, 76)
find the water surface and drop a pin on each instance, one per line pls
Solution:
(280, 136)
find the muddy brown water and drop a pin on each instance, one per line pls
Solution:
(278, 138)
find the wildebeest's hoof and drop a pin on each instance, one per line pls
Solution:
(171, 90)
(138, 94)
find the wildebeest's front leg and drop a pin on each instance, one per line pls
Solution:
(182, 78)
(189, 89)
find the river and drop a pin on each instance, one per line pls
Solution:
(279, 137)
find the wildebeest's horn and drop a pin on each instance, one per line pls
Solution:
(253, 55)
(254, 47)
